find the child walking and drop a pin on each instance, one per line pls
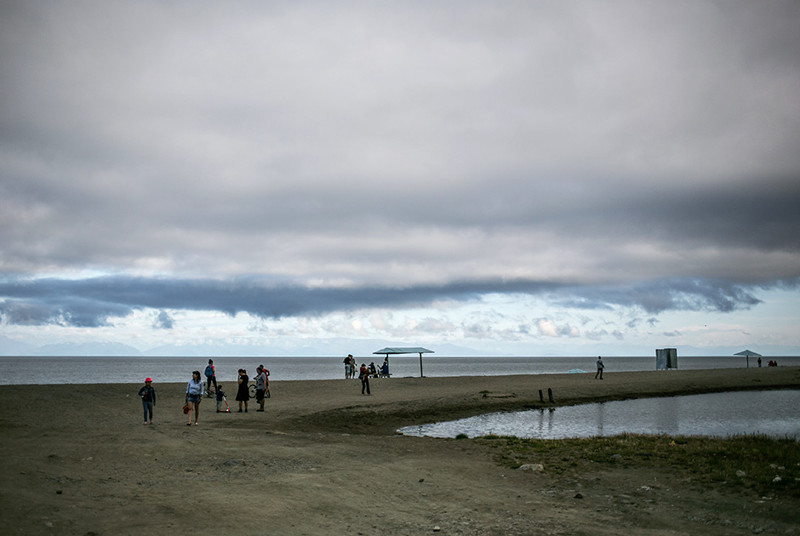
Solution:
(222, 400)
(148, 396)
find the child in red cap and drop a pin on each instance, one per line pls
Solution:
(148, 396)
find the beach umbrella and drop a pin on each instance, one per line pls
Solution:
(748, 354)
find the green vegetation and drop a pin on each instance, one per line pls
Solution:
(744, 462)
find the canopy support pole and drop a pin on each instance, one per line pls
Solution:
(420, 365)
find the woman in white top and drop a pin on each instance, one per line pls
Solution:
(194, 394)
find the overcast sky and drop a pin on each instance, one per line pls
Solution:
(511, 177)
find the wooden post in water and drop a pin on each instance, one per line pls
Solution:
(550, 394)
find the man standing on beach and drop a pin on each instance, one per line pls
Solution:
(600, 367)
(261, 387)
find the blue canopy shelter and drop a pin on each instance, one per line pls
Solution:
(748, 354)
(412, 350)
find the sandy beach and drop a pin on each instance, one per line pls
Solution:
(323, 459)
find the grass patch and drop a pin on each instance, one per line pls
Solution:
(744, 462)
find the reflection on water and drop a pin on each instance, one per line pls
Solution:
(773, 413)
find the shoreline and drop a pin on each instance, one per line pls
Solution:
(105, 370)
(76, 459)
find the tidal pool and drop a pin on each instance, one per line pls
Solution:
(772, 413)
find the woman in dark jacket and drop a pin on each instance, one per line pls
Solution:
(243, 394)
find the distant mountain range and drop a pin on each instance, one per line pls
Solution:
(326, 347)
(342, 346)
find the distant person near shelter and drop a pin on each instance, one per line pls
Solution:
(363, 375)
(148, 396)
(759, 362)
(243, 393)
(194, 395)
(600, 367)
(211, 374)
(261, 386)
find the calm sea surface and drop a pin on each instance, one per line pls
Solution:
(772, 413)
(53, 370)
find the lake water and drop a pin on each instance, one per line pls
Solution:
(773, 413)
(52, 370)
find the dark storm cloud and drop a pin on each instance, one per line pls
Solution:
(92, 302)
(665, 295)
(163, 321)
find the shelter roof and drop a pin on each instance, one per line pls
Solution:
(411, 350)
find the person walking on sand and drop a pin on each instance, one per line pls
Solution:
(194, 395)
(261, 387)
(211, 374)
(243, 393)
(148, 396)
(363, 375)
(600, 367)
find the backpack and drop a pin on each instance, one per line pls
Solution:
(209, 371)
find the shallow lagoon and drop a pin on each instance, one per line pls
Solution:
(773, 413)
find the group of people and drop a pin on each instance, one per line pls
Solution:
(262, 387)
(350, 368)
(770, 363)
(196, 388)
(364, 372)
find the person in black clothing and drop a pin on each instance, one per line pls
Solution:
(243, 392)
(148, 396)
(600, 367)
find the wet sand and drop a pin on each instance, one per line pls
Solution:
(323, 459)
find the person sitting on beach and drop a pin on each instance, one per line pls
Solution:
(372, 371)
(385, 369)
